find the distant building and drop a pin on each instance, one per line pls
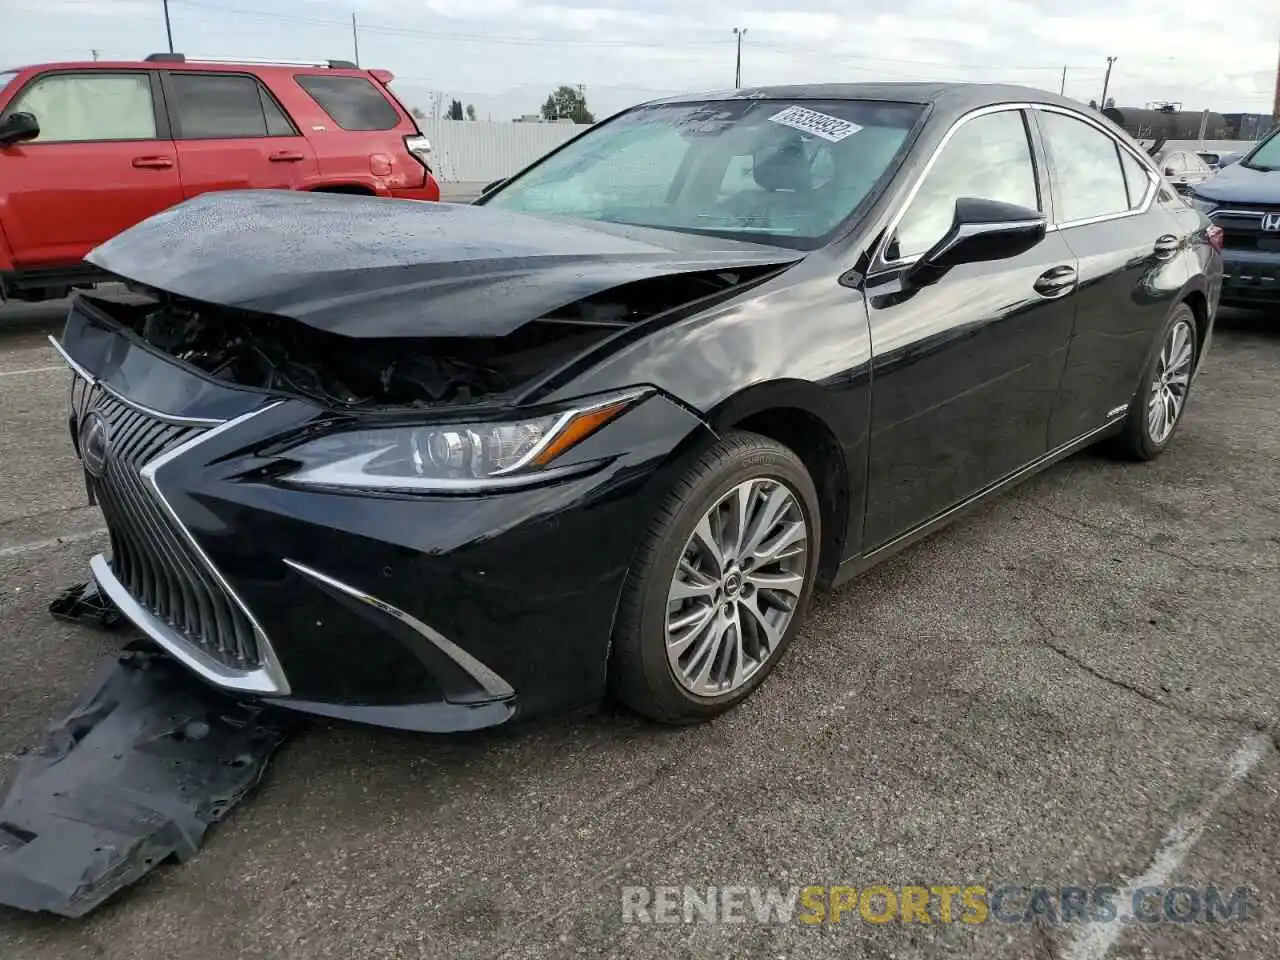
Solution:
(538, 118)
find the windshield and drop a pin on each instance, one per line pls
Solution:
(771, 170)
(1267, 156)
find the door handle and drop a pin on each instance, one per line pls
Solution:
(153, 163)
(1167, 245)
(1056, 281)
(286, 157)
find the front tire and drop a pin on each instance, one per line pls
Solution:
(1161, 399)
(720, 582)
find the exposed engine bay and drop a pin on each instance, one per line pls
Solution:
(285, 355)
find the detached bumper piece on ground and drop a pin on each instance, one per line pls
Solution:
(85, 603)
(139, 768)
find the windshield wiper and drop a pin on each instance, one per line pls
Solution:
(1262, 168)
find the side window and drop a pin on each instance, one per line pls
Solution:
(1136, 179)
(988, 158)
(352, 102)
(210, 106)
(89, 106)
(278, 125)
(1084, 167)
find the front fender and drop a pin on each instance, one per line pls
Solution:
(800, 342)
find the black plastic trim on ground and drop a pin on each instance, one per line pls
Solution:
(85, 603)
(140, 767)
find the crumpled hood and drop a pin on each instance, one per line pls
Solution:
(369, 267)
(1237, 185)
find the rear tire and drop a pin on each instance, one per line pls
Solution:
(720, 582)
(1161, 398)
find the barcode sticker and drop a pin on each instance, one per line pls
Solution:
(819, 124)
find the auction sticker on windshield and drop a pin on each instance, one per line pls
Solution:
(819, 124)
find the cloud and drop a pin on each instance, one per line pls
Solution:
(504, 55)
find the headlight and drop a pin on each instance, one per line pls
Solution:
(453, 457)
(1203, 205)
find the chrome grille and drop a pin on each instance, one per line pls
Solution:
(150, 554)
(1243, 227)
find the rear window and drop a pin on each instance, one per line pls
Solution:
(352, 102)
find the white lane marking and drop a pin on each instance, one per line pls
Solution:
(21, 373)
(1096, 940)
(37, 545)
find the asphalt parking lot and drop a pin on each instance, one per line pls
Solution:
(1076, 685)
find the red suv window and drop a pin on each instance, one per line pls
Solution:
(218, 105)
(353, 102)
(90, 106)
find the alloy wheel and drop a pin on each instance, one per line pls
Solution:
(736, 587)
(1170, 384)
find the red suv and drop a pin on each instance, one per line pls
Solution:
(89, 149)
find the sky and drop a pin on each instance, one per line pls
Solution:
(505, 56)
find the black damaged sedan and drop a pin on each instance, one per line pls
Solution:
(435, 466)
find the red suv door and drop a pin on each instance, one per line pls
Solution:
(103, 162)
(231, 134)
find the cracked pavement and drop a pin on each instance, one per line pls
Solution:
(1041, 693)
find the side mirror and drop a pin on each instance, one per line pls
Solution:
(1168, 172)
(18, 128)
(981, 231)
(490, 187)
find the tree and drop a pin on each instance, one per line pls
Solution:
(567, 103)
(455, 110)
(419, 113)
(471, 111)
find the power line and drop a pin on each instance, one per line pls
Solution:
(571, 41)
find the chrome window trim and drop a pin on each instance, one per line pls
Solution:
(881, 262)
(93, 381)
(269, 676)
(492, 684)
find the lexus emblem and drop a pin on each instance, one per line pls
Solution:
(1271, 223)
(95, 440)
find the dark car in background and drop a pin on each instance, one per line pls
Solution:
(435, 466)
(1244, 201)
(90, 149)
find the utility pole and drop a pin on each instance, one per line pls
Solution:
(737, 70)
(168, 28)
(1062, 88)
(355, 37)
(1106, 82)
(1275, 107)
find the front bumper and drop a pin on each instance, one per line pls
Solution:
(435, 613)
(1250, 278)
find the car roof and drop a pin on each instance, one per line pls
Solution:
(946, 97)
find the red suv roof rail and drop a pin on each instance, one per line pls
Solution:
(183, 58)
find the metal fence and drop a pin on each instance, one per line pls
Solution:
(484, 150)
